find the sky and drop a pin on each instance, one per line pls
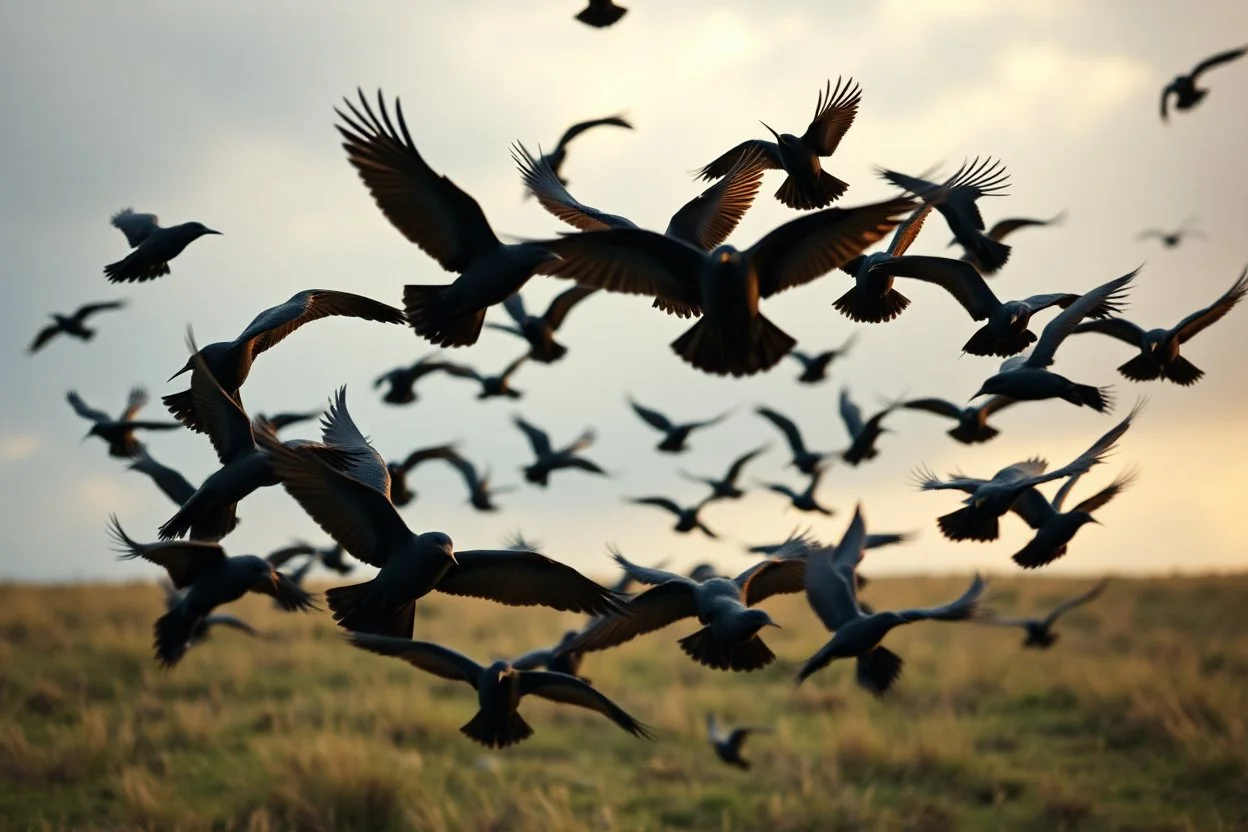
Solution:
(223, 113)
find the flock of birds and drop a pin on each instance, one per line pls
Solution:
(687, 270)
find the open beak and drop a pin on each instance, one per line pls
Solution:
(772, 132)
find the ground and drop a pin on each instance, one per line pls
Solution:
(1137, 719)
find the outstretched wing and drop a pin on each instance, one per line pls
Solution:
(1079, 600)
(652, 417)
(1197, 321)
(834, 115)
(431, 658)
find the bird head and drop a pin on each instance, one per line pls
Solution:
(441, 542)
(499, 670)
(186, 368)
(781, 138)
(988, 388)
(726, 255)
(758, 619)
(94, 431)
(200, 229)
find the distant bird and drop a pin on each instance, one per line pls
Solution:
(402, 380)
(549, 460)
(1171, 239)
(119, 432)
(873, 298)
(539, 331)
(875, 540)
(480, 494)
(498, 386)
(725, 285)
(686, 518)
(601, 14)
(1040, 630)
(832, 591)
(280, 421)
(726, 488)
(815, 367)
(1055, 528)
(400, 494)
(330, 557)
(1159, 356)
(675, 435)
(230, 361)
(446, 223)
(807, 185)
(728, 745)
(1187, 95)
(351, 508)
(204, 626)
(555, 158)
(862, 435)
(803, 500)
(210, 580)
(551, 659)
(500, 687)
(955, 200)
(153, 246)
(74, 324)
(1027, 377)
(172, 484)
(1004, 228)
(805, 461)
(972, 420)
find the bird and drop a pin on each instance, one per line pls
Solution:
(831, 590)
(555, 158)
(726, 487)
(1039, 631)
(803, 500)
(119, 432)
(401, 381)
(480, 494)
(1055, 528)
(445, 222)
(172, 484)
(725, 285)
(230, 361)
(805, 461)
(874, 540)
(728, 745)
(280, 421)
(1004, 228)
(703, 572)
(1186, 94)
(549, 460)
(539, 331)
(330, 557)
(153, 246)
(210, 579)
(686, 518)
(815, 366)
(955, 200)
(862, 435)
(972, 420)
(601, 13)
(551, 659)
(400, 494)
(873, 298)
(351, 508)
(500, 687)
(675, 435)
(1027, 377)
(807, 185)
(498, 386)
(204, 626)
(1172, 239)
(1159, 356)
(74, 324)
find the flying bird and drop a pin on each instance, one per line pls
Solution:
(480, 494)
(805, 461)
(204, 626)
(1040, 630)
(686, 518)
(555, 158)
(601, 13)
(862, 435)
(728, 744)
(874, 540)
(280, 421)
(1055, 528)
(330, 557)
(172, 484)
(401, 381)
(400, 494)
(539, 331)
(873, 298)
(726, 488)
(803, 500)
(815, 366)
(74, 324)
(675, 435)
(549, 460)
(498, 386)
(1186, 94)
(153, 246)
(1172, 239)
(551, 659)
(1004, 228)
(972, 420)
(119, 432)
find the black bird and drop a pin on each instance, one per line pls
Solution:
(330, 557)
(500, 687)
(400, 494)
(872, 299)
(686, 518)
(862, 435)
(1159, 348)
(803, 500)
(480, 494)
(539, 331)
(807, 185)
(552, 659)
(204, 626)
(555, 158)
(728, 745)
(1004, 228)
(1187, 95)
(446, 223)
(280, 421)
(172, 484)
(675, 435)
(805, 461)
(402, 380)
(498, 386)
(972, 420)
(549, 460)
(119, 432)
(1171, 239)
(74, 324)
(874, 541)
(153, 246)
(601, 13)
(1055, 528)
(726, 488)
(1040, 630)
(815, 367)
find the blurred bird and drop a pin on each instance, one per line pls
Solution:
(74, 324)
(703, 572)
(549, 460)
(802, 500)
(807, 185)
(330, 557)
(553, 660)
(204, 626)
(400, 494)
(539, 331)
(1159, 356)
(601, 14)
(555, 158)
(686, 518)
(874, 540)
(1055, 528)
(480, 494)
(172, 484)
(1040, 630)
(1004, 228)
(805, 461)
(153, 246)
(675, 435)
(500, 687)
(862, 435)
(119, 432)
(728, 745)
(726, 488)
(280, 421)
(1171, 239)
(446, 223)
(1186, 94)
(972, 420)
(873, 298)
(402, 380)
(491, 386)
(815, 367)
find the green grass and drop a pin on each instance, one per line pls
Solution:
(1136, 720)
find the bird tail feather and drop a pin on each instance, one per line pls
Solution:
(990, 254)
(985, 342)
(878, 670)
(804, 195)
(706, 649)
(427, 313)
(173, 631)
(182, 406)
(703, 346)
(492, 732)
(970, 434)
(1033, 556)
(859, 306)
(969, 524)
(359, 607)
(1100, 399)
(1181, 372)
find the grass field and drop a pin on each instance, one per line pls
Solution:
(1137, 719)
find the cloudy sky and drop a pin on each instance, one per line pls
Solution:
(222, 112)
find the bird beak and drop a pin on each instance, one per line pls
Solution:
(454, 559)
(1094, 520)
(978, 394)
(774, 624)
(773, 132)
(190, 362)
(85, 438)
(211, 231)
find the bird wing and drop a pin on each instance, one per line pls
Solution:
(511, 368)
(1003, 228)
(908, 231)
(740, 462)
(136, 227)
(463, 371)
(1079, 600)
(879, 539)
(831, 588)
(361, 460)
(646, 612)
(1197, 321)
(274, 324)
(1034, 508)
(706, 423)
(959, 610)
(1094, 455)
(653, 418)
(650, 576)
(661, 502)
(584, 464)
(569, 690)
(1109, 492)
(957, 277)
(542, 181)
(135, 402)
(834, 114)
(769, 153)
(45, 335)
(580, 443)
(631, 261)
(223, 419)
(736, 738)
(772, 576)
(431, 658)
(563, 303)
(467, 470)
(87, 310)
(786, 426)
(538, 438)
(928, 481)
(940, 407)
(184, 560)
(707, 219)
(851, 414)
(174, 485)
(1119, 328)
(513, 305)
(525, 579)
(1165, 101)
(427, 208)
(1216, 60)
(996, 403)
(230, 621)
(581, 126)
(534, 659)
(446, 452)
(1064, 323)
(280, 557)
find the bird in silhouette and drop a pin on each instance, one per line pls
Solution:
(500, 687)
(210, 579)
(555, 158)
(498, 386)
(446, 223)
(230, 361)
(686, 518)
(955, 200)
(1055, 528)
(204, 626)
(831, 590)
(815, 367)
(1039, 631)
(874, 540)
(280, 421)
(1159, 356)
(549, 460)
(401, 381)
(153, 246)
(807, 185)
(674, 435)
(119, 432)
(1172, 239)
(972, 420)
(400, 494)
(601, 13)
(727, 744)
(802, 500)
(805, 461)
(862, 435)
(551, 659)
(172, 484)
(1027, 377)
(74, 324)
(539, 331)
(330, 557)
(726, 488)
(480, 493)
(873, 298)
(1004, 228)
(1186, 94)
